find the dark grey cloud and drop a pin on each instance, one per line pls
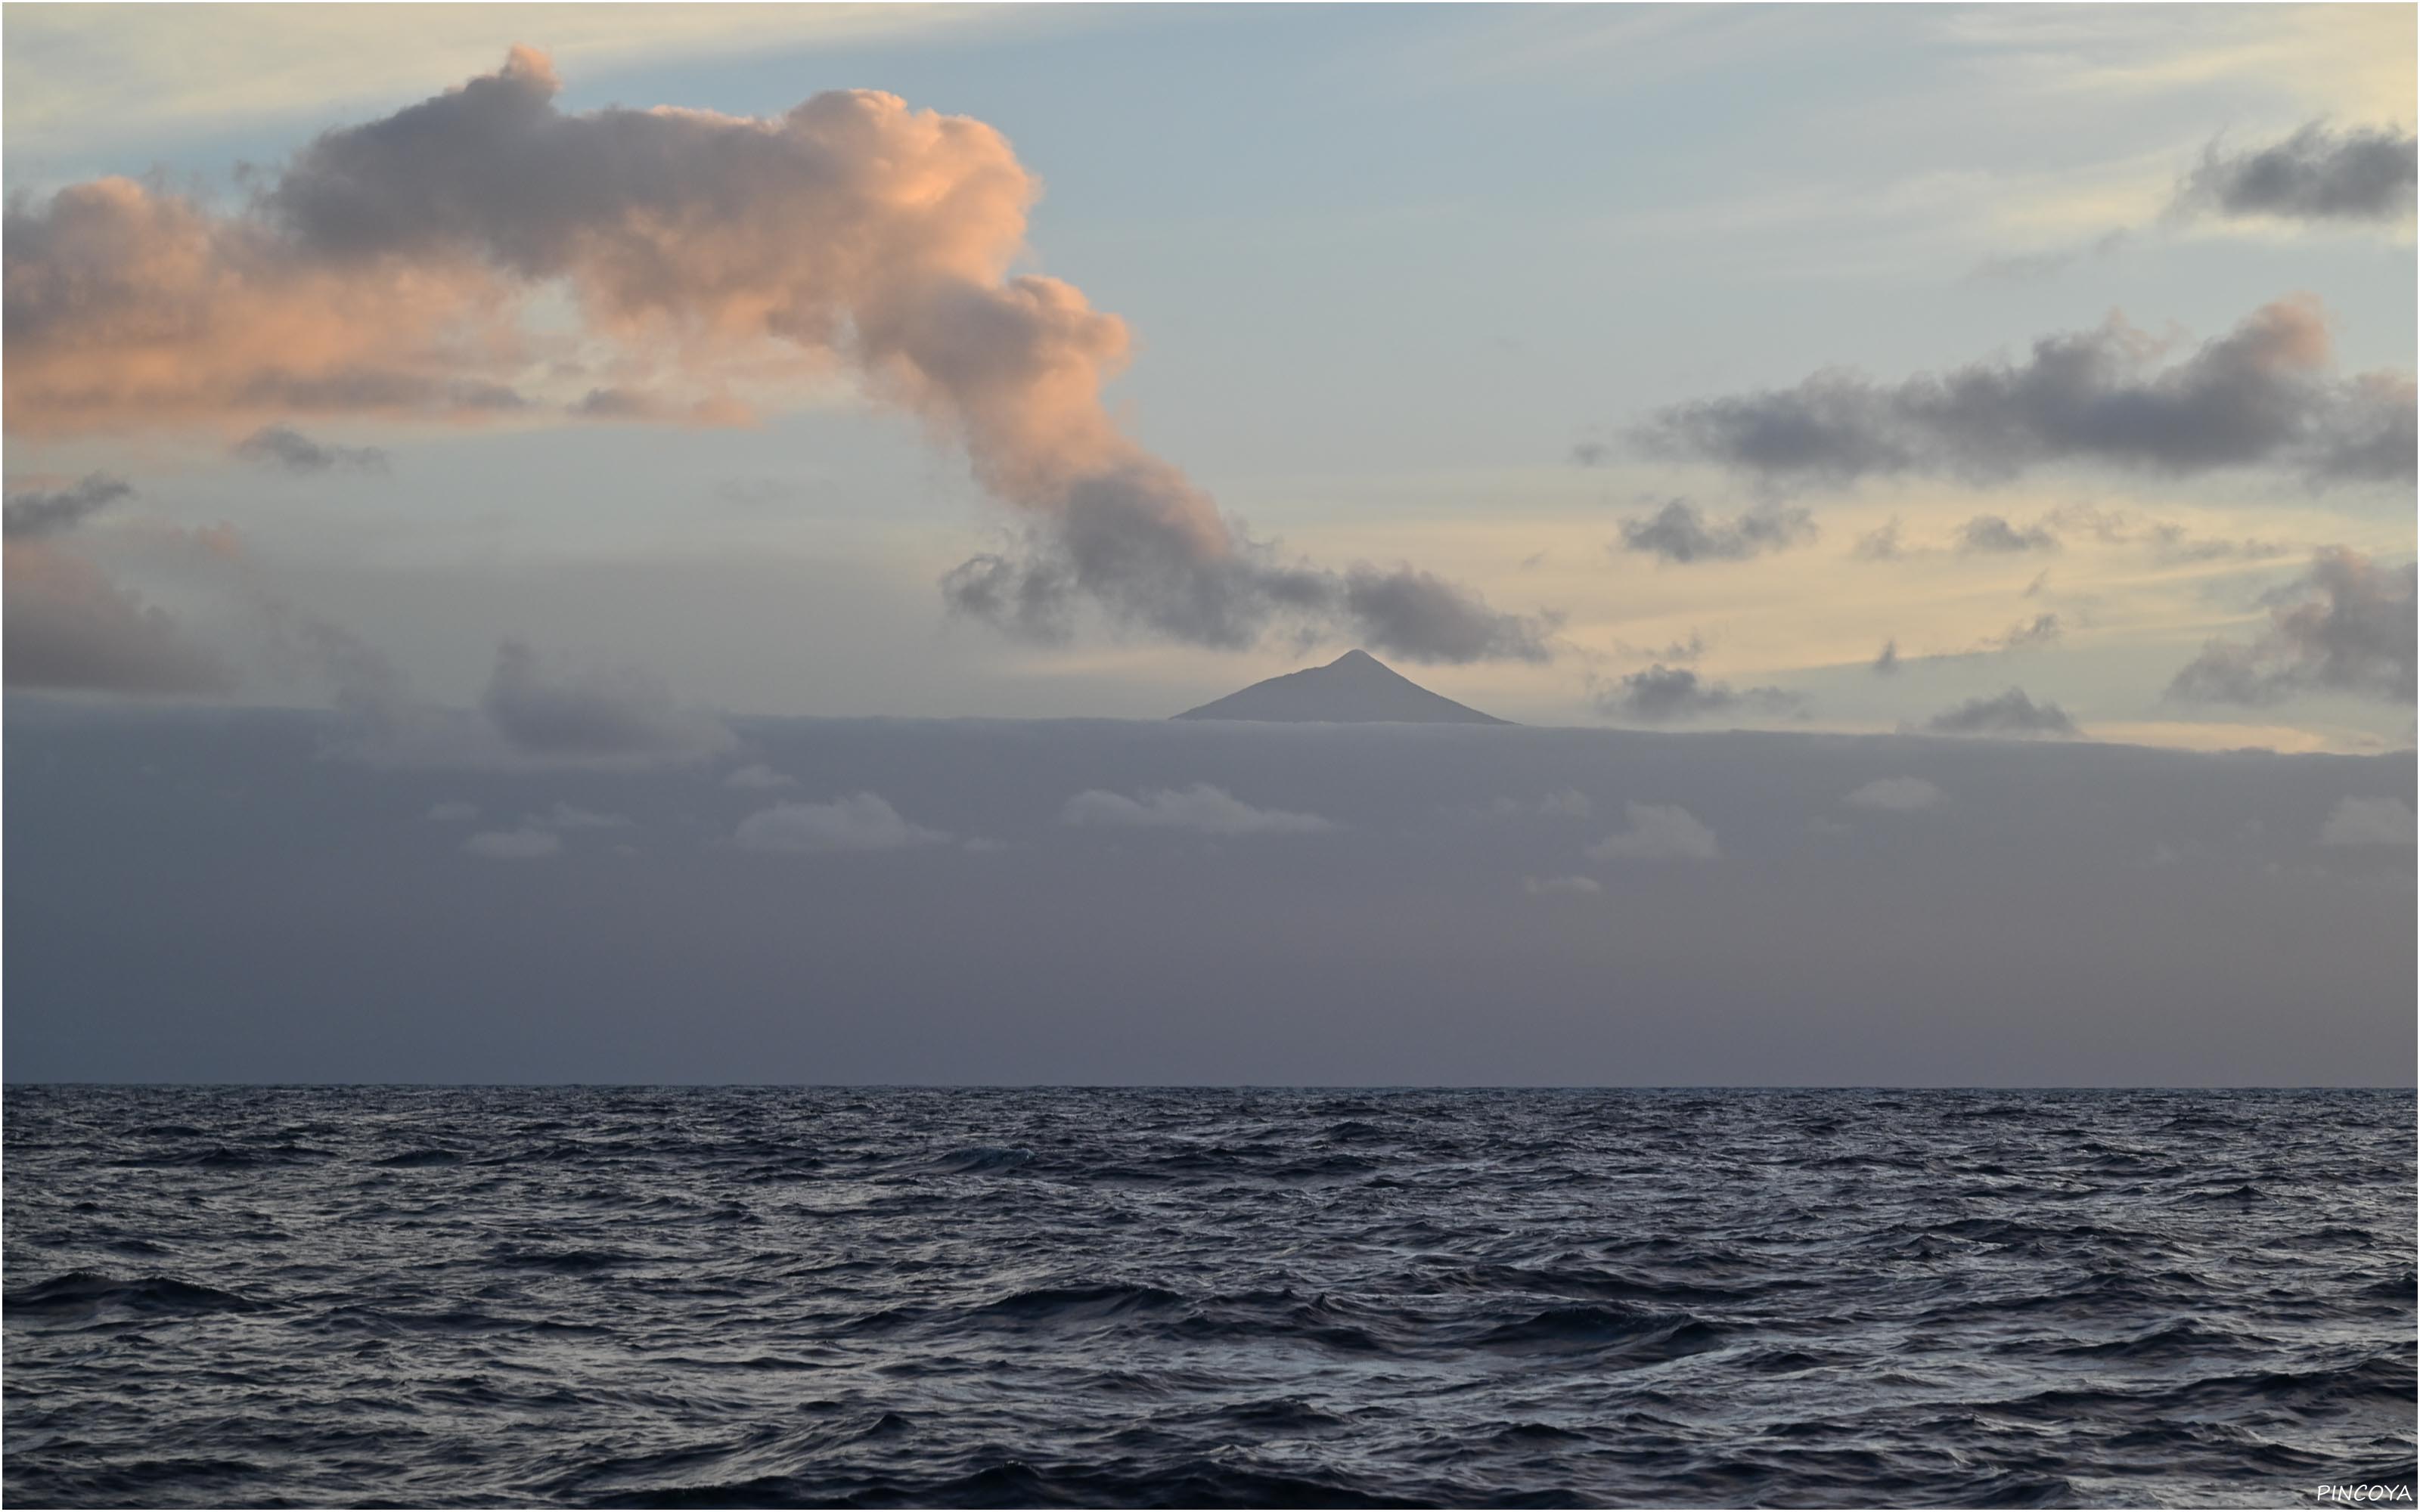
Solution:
(70, 627)
(578, 711)
(33, 513)
(1885, 662)
(1665, 693)
(1680, 531)
(2318, 173)
(2346, 625)
(2008, 713)
(2264, 395)
(283, 446)
(1991, 535)
(1423, 617)
(1144, 570)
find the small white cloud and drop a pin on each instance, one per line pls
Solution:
(1550, 886)
(1568, 804)
(758, 778)
(2368, 821)
(453, 812)
(1896, 794)
(525, 844)
(1657, 832)
(565, 816)
(1208, 810)
(861, 822)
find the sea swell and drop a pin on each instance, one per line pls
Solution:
(1238, 1297)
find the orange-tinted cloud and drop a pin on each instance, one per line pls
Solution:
(388, 267)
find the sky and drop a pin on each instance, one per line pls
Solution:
(541, 397)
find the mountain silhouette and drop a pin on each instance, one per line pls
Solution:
(1354, 689)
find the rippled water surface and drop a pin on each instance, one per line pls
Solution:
(758, 1296)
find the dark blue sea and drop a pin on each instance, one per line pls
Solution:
(410, 1296)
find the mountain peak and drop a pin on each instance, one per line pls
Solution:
(1354, 689)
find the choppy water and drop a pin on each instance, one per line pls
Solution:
(720, 1296)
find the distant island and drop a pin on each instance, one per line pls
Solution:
(1354, 689)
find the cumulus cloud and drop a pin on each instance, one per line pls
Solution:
(1990, 535)
(2368, 821)
(283, 447)
(1657, 832)
(585, 710)
(1207, 809)
(2346, 625)
(33, 513)
(861, 822)
(1896, 794)
(2265, 395)
(1561, 886)
(1664, 693)
(758, 778)
(2008, 713)
(2318, 173)
(570, 816)
(389, 269)
(70, 627)
(1567, 803)
(1680, 531)
(524, 844)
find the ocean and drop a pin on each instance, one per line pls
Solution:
(764, 1296)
